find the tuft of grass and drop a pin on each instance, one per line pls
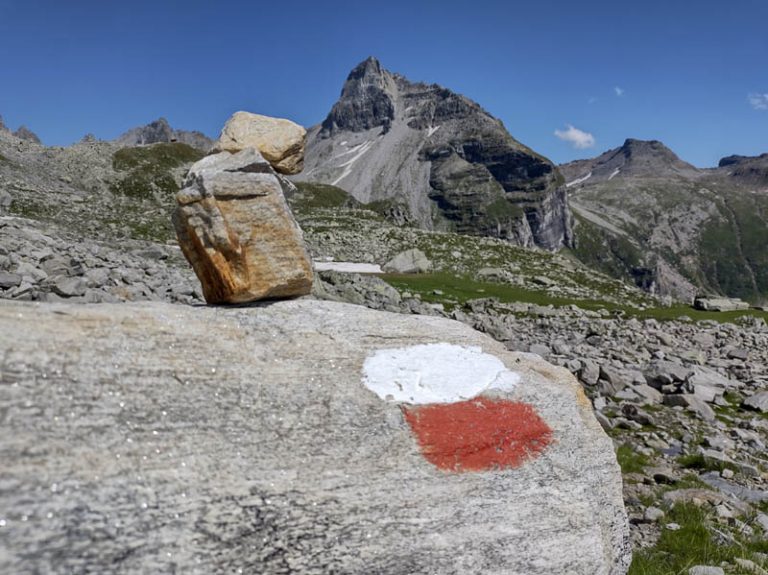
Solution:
(312, 196)
(164, 156)
(699, 462)
(629, 460)
(693, 544)
(148, 169)
(462, 288)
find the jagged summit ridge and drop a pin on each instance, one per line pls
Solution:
(22, 133)
(366, 100)
(437, 160)
(160, 131)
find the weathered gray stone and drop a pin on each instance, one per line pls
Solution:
(412, 261)
(690, 401)
(705, 570)
(9, 280)
(758, 402)
(649, 394)
(719, 304)
(653, 514)
(215, 440)
(590, 372)
(70, 287)
(661, 373)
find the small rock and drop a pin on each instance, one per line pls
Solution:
(653, 514)
(70, 287)
(750, 566)
(691, 402)
(738, 354)
(590, 372)
(758, 402)
(539, 349)
(9, 280)
(705, 570)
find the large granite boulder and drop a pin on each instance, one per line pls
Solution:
(280, 141)
(153, 438)
(412, 261)
(235, 228)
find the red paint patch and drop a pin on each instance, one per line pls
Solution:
(479, 434)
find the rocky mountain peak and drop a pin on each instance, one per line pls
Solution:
(651, 152)
(367, 100)
(368, 67)
(160, 131)
(3, 127)
(634, 158)
(435, 159)
(24, 133)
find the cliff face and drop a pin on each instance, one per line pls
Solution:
(436, 159)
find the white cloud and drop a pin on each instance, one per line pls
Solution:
(577, 138)
(591, 100)
(758, 101)
(618, 91)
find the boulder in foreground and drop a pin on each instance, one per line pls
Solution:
(235, 228)
(215, 440)
(280, 141)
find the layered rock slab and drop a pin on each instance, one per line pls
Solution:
(157, 438)
(236, 230)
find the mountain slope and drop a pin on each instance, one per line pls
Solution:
(675, 230)
(436, 159)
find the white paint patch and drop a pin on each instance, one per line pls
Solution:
(432, 130)
(614, 173)
(578, 180)
(435, 373)
(359, 151)
(348, 267)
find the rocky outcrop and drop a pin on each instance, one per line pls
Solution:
(160, 131)
(235, 228)
(434, 158)
(280, 141)
(218, 440)
(719, 304)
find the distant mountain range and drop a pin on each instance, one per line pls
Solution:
(22, 133)
(435, 159)
(428, 157)
(160, 131)
(644, 214)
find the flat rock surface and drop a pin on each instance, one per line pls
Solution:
(158, 438)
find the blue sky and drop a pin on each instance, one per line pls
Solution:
(692, 74)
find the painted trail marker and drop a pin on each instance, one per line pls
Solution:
(440, 387)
